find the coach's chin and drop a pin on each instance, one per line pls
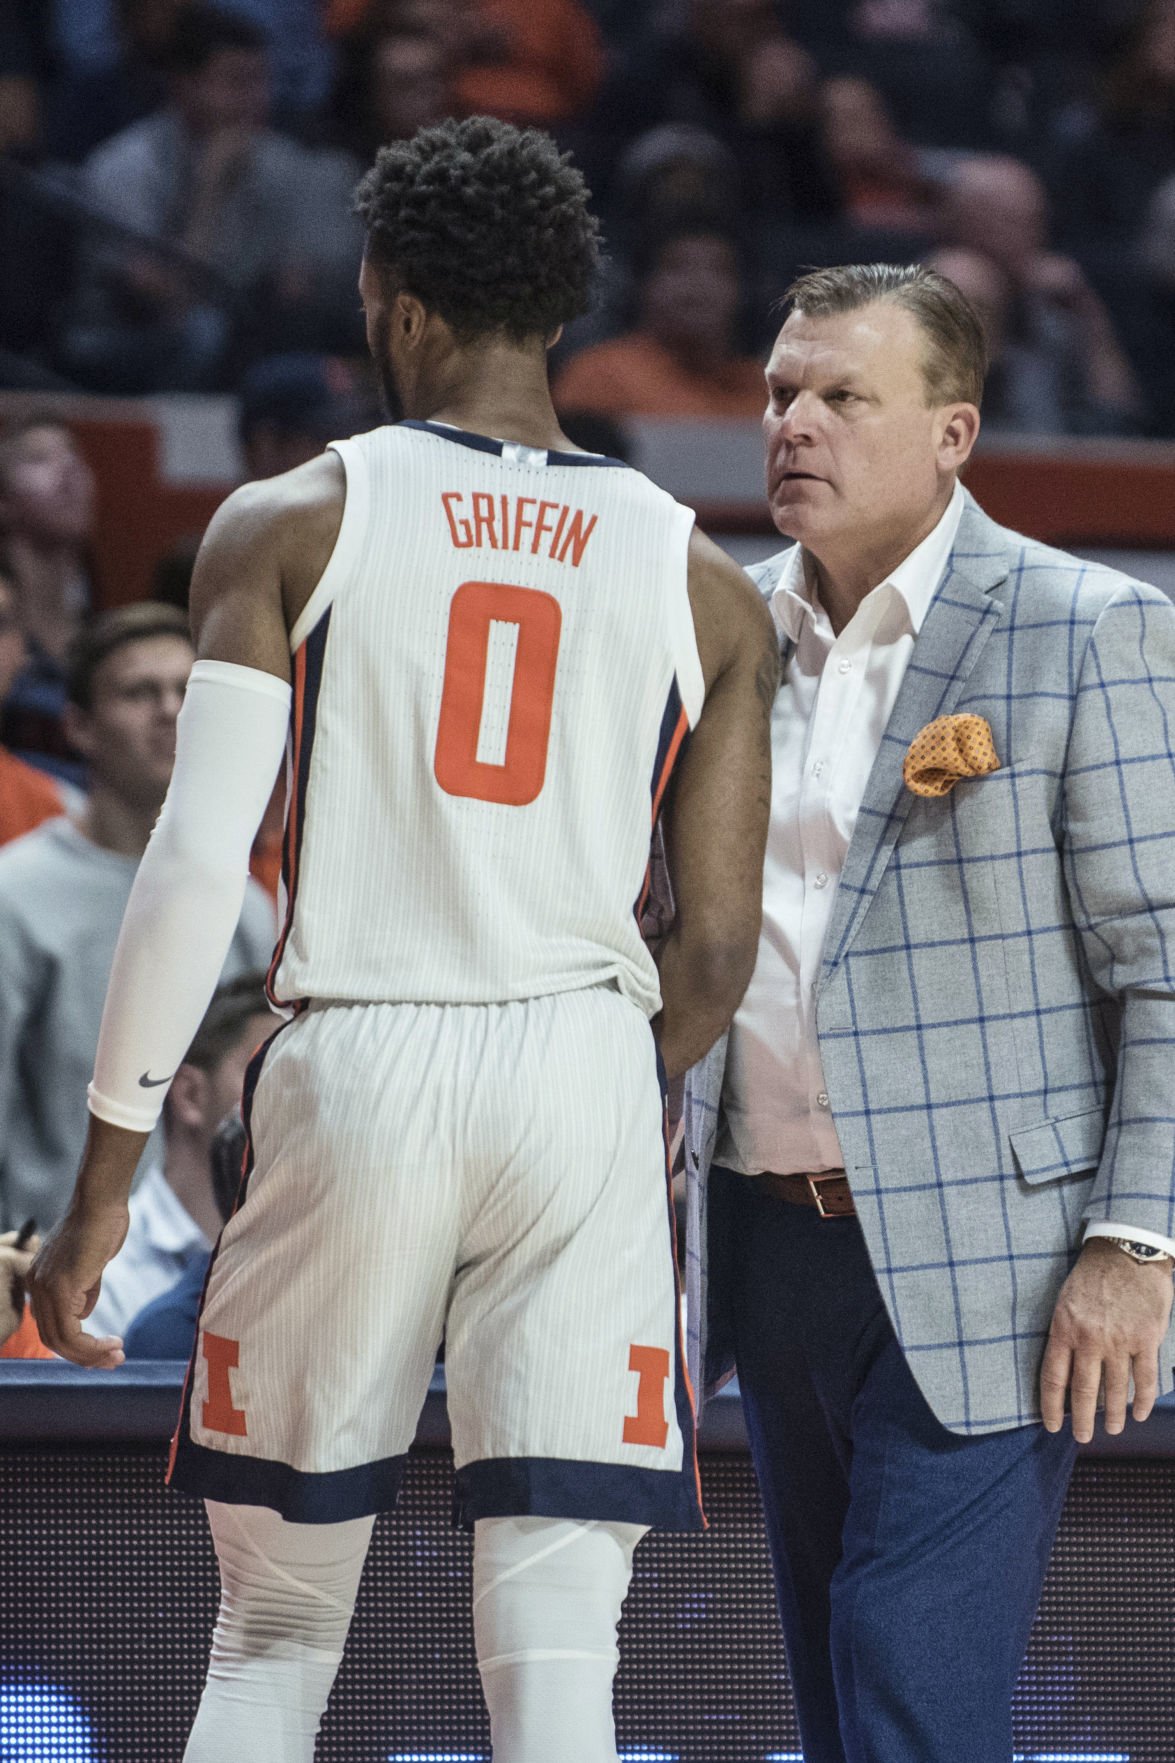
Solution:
(936, 1215)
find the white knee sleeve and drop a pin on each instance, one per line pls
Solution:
(546, 1600)
(287, 1595)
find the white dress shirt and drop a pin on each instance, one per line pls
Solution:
(829, 718)
(162, 1238)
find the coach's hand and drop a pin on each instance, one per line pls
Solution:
(1108, 1325)
(66, 1277)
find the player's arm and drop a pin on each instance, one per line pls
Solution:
(186, 897)
(716, 820)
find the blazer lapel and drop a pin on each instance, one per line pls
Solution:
(961, 618)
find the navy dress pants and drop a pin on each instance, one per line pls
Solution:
(908, 1560)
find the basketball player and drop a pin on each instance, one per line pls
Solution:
(498, 648)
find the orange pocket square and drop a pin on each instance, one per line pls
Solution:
(947, 749)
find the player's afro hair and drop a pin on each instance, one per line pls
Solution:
(487, 224)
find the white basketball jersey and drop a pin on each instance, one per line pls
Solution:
(492, 681)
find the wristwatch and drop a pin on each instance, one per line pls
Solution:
(1143, 1253)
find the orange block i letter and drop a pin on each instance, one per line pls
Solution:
(648, 1425)
(221, 1357)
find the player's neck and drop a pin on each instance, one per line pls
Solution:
(503, 392)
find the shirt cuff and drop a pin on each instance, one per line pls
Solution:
(1132, 1232)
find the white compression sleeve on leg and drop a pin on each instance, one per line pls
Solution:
(547, 1594)
(188, 891)
(287, 1595)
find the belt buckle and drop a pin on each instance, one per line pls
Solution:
(813, 1182)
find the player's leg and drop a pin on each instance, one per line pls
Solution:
(287, 1596)
(572, 1427)
(327, 1294)
(547, 1594)
(318, 1336)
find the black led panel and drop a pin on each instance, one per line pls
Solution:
(109, 1596)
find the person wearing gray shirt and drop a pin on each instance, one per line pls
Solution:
(63, 890)
(250, 228)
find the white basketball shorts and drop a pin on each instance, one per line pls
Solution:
(493, 1175)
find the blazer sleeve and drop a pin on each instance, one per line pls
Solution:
(1118, 849)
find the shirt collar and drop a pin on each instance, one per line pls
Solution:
(915, 580)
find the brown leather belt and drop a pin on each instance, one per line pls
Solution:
(829, 1192)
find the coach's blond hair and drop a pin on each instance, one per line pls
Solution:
(954, 362)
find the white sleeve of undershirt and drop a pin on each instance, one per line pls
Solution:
(190, 885)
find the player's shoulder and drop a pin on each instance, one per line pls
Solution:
(731, 620)
(714, 574)
(288, 509)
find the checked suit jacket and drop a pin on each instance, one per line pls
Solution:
(996, 1008)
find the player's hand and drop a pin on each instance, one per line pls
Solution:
(1108, 1325)
(66, 1277)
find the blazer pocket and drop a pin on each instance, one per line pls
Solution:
(1055, 1148)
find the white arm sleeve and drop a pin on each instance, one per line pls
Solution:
(188, 892)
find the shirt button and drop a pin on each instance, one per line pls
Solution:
(820, 881)
(846, 667)
(818, 768)
(822, 1100)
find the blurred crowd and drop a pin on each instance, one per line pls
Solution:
(176, 181)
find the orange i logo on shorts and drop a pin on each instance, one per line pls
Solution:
(222, 1356)
(648, 1425)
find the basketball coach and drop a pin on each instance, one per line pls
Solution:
(933, 1162)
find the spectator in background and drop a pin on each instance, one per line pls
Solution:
(262, 242)
(46, 521)
(25, 57)
(91, 103)
(166, 1327)
(1156, 250)
(1120, 150)
(19, 1335)
(880, 178)
(1157, 239)
(673, 173)
(392, 81)
(34, 246)
(674, 170)
(175, 1214)
(531, 64)
(1022, 394)
(27, 796)
(934, 79)
(87, 40)
(63, 891)
(525, 62)
(291, 406)
(730, 68)
(997, 206)
(682, 357)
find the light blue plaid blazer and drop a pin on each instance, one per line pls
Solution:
(996, 1010)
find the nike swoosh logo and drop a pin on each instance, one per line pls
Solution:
(147, 1082)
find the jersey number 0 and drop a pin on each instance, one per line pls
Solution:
(537, 620)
